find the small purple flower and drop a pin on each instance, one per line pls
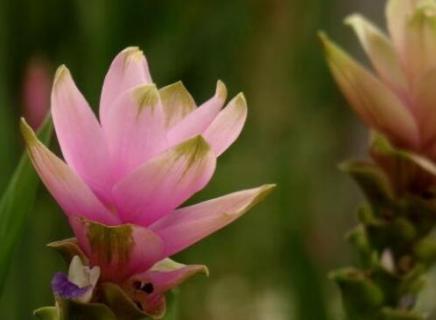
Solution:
(78, 284)
(65, 289)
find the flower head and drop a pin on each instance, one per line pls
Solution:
(399, 100)
(36, 92)
(126, 174)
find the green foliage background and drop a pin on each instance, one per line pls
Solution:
(272, 264)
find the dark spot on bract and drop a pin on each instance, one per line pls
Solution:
(148, 288)
(139, 305)
(137, 285)
(428, 194)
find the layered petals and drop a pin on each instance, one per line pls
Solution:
(79, 133)
(397, 14)
(163, 183)
(119, 251)
(72, 194)
(380, 51)
(128, 70)
(189, 225)
(134, 129)
(227, 126)
(199, 120)
(420, 40)
(123, 180)
(425, 101)
(379, 108)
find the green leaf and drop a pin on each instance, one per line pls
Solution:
(359, 239)
(395, 314)
(47, 313)
(16, 203)
(172, 312)
(360, 295)
(372, 180)
(70, 310)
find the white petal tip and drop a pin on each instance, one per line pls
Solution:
(27, 132)
(260, 194)
(240, 100)
(205, 270)
(131, 49)
(221, 90)
(133, 54)
(60, 74)
(353, 19)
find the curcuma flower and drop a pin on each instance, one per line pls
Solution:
(126, 174)
(399, 100)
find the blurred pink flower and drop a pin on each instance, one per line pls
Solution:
(400, 100)
(126, 175)
(36, 92)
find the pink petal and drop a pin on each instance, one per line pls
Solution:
(168, 274)
(380, 51)
(72, 194)
(397, 14)
(424, 100)
(134, 129)
(121, 251)
(148, 288)
(177, 103)
(420, 43)
(128, 70)
(163, 183)
(189, 225)
(227, 126)
(371, 99)
(79, 134)
(197, 121)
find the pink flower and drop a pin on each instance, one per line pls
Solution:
(36, 92)
(125, 176)
(399, 100)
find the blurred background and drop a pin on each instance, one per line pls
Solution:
(273, 263)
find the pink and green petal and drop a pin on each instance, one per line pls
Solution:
(397, 14)
(189, 225)
(380, 51)
(135, 129)
(163, 183)
(177, 103)
(168, 274)
(227, 126)
(420, 43)
(425, 102)
(119, 251)
(378, 107)
(79, 134)
(148, 289)
(129, 69)
(72, 194)
(199, 120)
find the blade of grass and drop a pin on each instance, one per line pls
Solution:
(172, 306)
(16, 203)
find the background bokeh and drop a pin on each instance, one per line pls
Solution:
(273, 263)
